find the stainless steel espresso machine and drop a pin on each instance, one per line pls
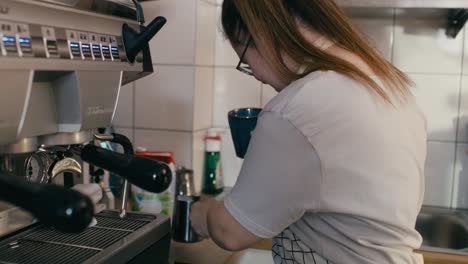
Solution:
(62, 65)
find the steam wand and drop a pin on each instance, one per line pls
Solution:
(128, 150)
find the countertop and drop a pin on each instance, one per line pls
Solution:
(202, 252)
(208, 252)
(429, 257)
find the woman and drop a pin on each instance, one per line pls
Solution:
(334, 169)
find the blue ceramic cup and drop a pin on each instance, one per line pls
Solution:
(242, 122)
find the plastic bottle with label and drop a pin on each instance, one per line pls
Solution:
(212, 178)
(156, 203)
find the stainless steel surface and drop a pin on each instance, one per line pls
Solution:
(184, 182)
(112, 240)
(47, 163)
(25, 145)
(453, 14)
(37, 167)
(16, 85)
(65, 139)
(123, 205)
(444, 230)
(62, 64)
(105, 137)
(182, 230)
(405, 3)
(119, 8)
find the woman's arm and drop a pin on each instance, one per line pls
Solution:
(211, 219)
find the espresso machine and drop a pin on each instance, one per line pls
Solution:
(62, 65)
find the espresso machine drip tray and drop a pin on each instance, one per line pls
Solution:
(137, 238)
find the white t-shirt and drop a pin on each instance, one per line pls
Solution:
(334, 174)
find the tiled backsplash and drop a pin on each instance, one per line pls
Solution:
(196, 83)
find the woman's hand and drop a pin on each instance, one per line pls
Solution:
(199, 215)
(210, 218)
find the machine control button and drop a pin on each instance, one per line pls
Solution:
(84, 37)
(106, 52)
(86, 51)
(34, 40)
(115, 53)
(97, 52)
(50, 42)
(51, 48)
(48, 33)
(24, 39)
(25, 46)
(72, 35)
(10, 46)
(75, 50)
(85, 45)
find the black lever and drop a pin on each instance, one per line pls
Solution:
(134, 42)
(65, 209)
(148, 174)
(119, 139)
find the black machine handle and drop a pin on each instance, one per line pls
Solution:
(134, 42)
(148, 174)
(65, 209)
(124, 142)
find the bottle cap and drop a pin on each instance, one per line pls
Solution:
(213, 142)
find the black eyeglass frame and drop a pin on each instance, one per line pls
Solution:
(244, 67)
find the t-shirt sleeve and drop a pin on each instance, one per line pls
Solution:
(279, 178)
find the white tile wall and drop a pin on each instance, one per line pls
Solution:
(233, 89)
(230, 162)
(175, 43)
(124, 112)
(439, 174)
(463, 125)
(198, 157)
(187, 100)
(159, 140)
(203, 98)
(174, 106)
(206, 33)
(225, 55)
(379, 32)
(164, 100)
(437, 95)
(460, 195)
(267, 94)
(421, 46)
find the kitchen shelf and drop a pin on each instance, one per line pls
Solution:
(454, 11)
(452, 4)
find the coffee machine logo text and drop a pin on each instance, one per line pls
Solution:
(4, 9)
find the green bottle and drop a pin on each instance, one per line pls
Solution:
(212, 178)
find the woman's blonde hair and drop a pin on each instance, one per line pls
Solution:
(272, 24)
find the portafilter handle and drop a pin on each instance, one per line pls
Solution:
(65, 209)
(151, 175)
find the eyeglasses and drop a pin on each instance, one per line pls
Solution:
(244, 67)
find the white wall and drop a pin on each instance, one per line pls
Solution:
(196, 84)
(172, 109)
